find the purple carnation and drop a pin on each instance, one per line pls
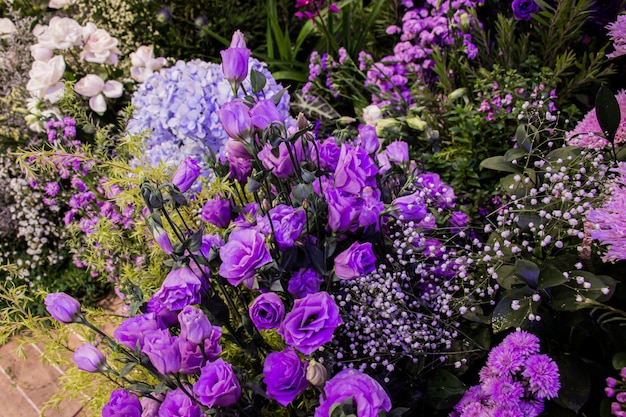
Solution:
(356, 261)
(303, 282)
(311, 322)
(122, 403)
(524, 9)
(217, 385)
(267, 311)
(243, 254)
(62, 307)
(285, 376)
(162, 349)
(368, 397)
(178, 404)
(180, 288)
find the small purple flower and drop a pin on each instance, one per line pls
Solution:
(265, 113)
(181, 287)
(150, 407)
(409, 208)
(285, 376)
(191, 357)
(160, 236)
(186, 174)
(235, 119)
(133, 330)
(267, 311)
(122, 403)
(524, 9)
(235, 60)
(303, 282)
(243, 254)
(311, 322)
(356, 261)
(62, 307)
(194, 325)
(178, 404)
(217, 385)
(216, 212)
(368, 397)
(89, 359)
(543, 376)
(162, 349)
(288, 223)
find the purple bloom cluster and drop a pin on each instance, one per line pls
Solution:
(617, 389)
(515, 381)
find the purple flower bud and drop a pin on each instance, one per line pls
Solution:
(240, 164)
(164, 15)
(194, 325)
(212, 348)
(89, 359)
(265, 113)
(186, 174)
(611, 382)
(610, 392)
(62, 307)
(160, 236)
(162, 349)
(267, 311)
(356, 261)
(150, 407)
(235, 119)
(621, 397)
(217, 385)
(369, 138)
(235, 60)
(122, 403)
(238, 40)
(409, 208)
(216, 212)
(397, 152)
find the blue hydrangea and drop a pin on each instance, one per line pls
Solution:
(176, 108)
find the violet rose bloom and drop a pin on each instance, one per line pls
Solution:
(216, 212)
(191, 357)
(235, 119)
(355, 170)
(62, 307)
(162, 349)
(397, 152)
(212, 348)
(369, 138)
(122, 403)
(163, 315)
(356, 261)
(371, 208)
(150, 407)
(344, 210)
(178, 404)
(89, 359)
(311, 322)
(243, 254)
(328, 155)
(194, 325)
(181, 287)
(239, 160)
(368, 397)
(217, 385)
(133, 330)
(409, 208)
(267, 311)
(186, 174)
(288, 224)
(265, 113)
(303, 282)
(524, 9)
(285, 376)
(281, 165)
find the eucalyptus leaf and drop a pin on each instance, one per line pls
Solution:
(498, 163)
(608, 112)
(506, 316)
(575, 383)
(619, 360)
(523, 139)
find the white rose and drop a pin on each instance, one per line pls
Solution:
(40, 53)
(59, 4)
(98, 104)
(62, 33)
(95, 88)
(101, 48)
(113, 89)
(45, 74)
(6, 27)
(90, 85)
(372, 114)
(144, 63)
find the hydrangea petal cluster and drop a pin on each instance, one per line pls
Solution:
(178, 109)
(587, 133)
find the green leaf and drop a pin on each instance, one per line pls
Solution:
(608, 112)
(505, 317)
(126, 369)
(257, 81)
(499, 164)
(575, 383)
(523, 139)
(514, 154)
(528, 271)
(550, 277)
(619, 360)
(563, 153)
(444, 390)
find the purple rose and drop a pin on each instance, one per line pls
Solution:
(150, 407)
(355, 170)
(178, 404)
(181, 287)
(239, 160)
(285, 376)
(217, 385)
(328, 154)
(191, 357)
(186, 174)
(162, 349)
(356, 261)
(235, 119)
(524, 9)
(212, 348)
(344, 210)
(162, 314)
(216, 212)
(303, 282)
(397, 152)
(409, 207)
(122, 404)
(62, 307)
(89, 359)
(458, 221)
(368, 397)
(265, 113)
(235, 60)
(194, 324)
(243, 254)
(288, 223)
(368, 138)
(267, 311)
(133, 330)
(311, 322)
(281, 165)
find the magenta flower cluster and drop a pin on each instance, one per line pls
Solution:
(616, 389)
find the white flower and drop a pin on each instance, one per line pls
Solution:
(6, 27)
(61, 33)
(100, 47)
(40, 53)
(45, 78)
(372, 114)
(95, 88)
(144, 63)
(59, 4)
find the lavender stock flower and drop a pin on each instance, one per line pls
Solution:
(62, 307)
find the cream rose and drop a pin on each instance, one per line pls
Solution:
(100, 47)
(7, 27)
(96, 89)
(144, 63)
(61, 33)
(45, 78)
(371, 115)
